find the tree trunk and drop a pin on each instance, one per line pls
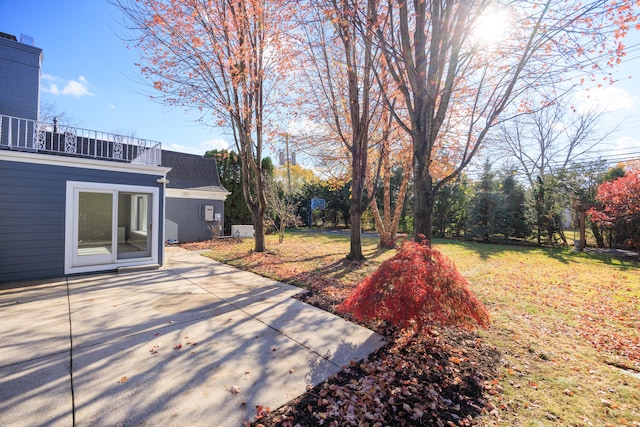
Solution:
(258, 225)
(402, 193)
(389, 233)
(422, 202)
(355, 251)
(597, 234)
(561, 233)
(385, 235)
(281, 233)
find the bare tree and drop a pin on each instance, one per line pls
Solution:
(49, 114)
(223, 57)
(394, 152)
(281, 210)
(343, 85)
(549, 139)
(455, 89)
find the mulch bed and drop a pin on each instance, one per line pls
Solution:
(441, 378)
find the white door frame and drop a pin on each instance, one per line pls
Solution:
(71, 265)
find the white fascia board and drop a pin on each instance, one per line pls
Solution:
(79, 162)
(183, 193)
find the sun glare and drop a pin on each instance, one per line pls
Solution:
(491, 27)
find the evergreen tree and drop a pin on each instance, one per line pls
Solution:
(336, 195)
(546, 205)
(230, 171)
(513, 223)
(485, 209)
(450, 208)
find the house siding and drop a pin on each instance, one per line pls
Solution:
(32, 215)
(187, 214)
(20, 92)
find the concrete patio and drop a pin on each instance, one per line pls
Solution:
(171, 346)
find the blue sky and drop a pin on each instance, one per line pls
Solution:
(88, 74)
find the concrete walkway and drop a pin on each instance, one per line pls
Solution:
(193, 343)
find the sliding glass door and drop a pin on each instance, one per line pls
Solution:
(110, 225)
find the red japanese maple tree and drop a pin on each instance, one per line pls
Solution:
(621, 203)
(418, 287)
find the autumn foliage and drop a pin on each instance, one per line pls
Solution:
(419, 284)
(621, 203)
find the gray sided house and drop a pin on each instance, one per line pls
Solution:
(64, 215)
(20, 81)
(194, 208)
(76, 200)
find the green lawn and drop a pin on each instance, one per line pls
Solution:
(565, 322)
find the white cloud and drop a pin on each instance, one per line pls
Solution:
(112, 107)
(214, 144)
(200, 149)
(304, 127)
(77, 88)
(603, 99)
(626, 144)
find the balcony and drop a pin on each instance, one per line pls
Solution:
(32, 136)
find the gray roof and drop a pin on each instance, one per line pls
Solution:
(193, 172)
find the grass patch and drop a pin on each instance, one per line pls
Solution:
(564, 321)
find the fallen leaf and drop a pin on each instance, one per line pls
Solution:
(178, 347)
(455, 360)
(261, 412)
(123, 380)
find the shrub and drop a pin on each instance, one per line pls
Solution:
(418, 287)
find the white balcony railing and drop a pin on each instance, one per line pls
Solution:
(33, 136)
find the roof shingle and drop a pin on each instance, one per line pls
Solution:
(190, 171)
